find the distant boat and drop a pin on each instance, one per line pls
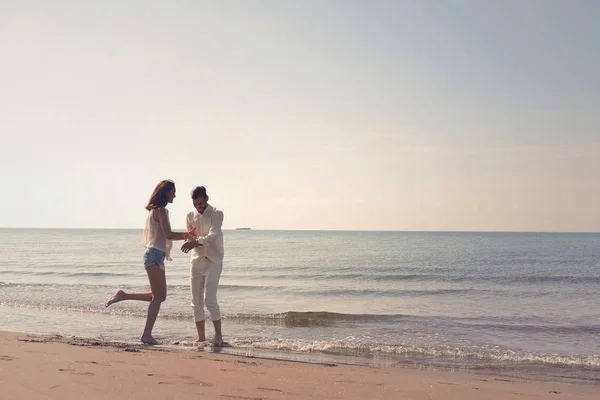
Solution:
(242, 229)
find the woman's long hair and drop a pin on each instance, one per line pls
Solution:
(158, 199)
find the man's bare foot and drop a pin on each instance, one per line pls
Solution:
(149, 340)
(117, 297)
(217, 341)
(199, 341)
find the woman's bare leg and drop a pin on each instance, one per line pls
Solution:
(158, 285)
(121, 295)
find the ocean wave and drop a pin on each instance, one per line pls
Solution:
(538, 328)
(549, 279)
(184, 288)
(388, 292)
(92, 310)
(249, 287)
(337, 276)
(66, 274)
(315, 318)
(289, 318)
(326, 318)
(356, 292)
(527, 279)
(349, 347)
(310, 274)
(379, 276)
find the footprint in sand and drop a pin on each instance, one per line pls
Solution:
(504, 380)
(92, 362)
(72, 371)
(193, 381)
(246, 362)
(272, 390)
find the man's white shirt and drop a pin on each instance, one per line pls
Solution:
(208, 227)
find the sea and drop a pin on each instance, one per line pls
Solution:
(516, 304)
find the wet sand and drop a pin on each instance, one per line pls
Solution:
(51, 367)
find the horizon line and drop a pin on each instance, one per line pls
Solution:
(319, 230)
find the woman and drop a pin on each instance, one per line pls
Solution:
(158, 239)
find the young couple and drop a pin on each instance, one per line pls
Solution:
(204, 239)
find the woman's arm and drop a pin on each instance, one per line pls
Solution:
(165, 224)
(191, 230)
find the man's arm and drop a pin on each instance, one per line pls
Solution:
(216, 223)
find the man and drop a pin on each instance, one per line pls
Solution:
(206, 262)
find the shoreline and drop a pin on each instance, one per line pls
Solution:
(47, 366)
(529, 372)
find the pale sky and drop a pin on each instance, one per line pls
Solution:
(358, 115)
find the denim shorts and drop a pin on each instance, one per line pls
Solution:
(154, 256)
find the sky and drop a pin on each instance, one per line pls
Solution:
(314, 114)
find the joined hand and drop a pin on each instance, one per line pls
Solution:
(187, 246)
(190, 235)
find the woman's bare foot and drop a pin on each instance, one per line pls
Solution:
(117, 297)
(217, 341)
(149, 340)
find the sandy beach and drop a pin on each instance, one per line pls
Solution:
(47, 367)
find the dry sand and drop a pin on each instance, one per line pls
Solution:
(41, 367)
